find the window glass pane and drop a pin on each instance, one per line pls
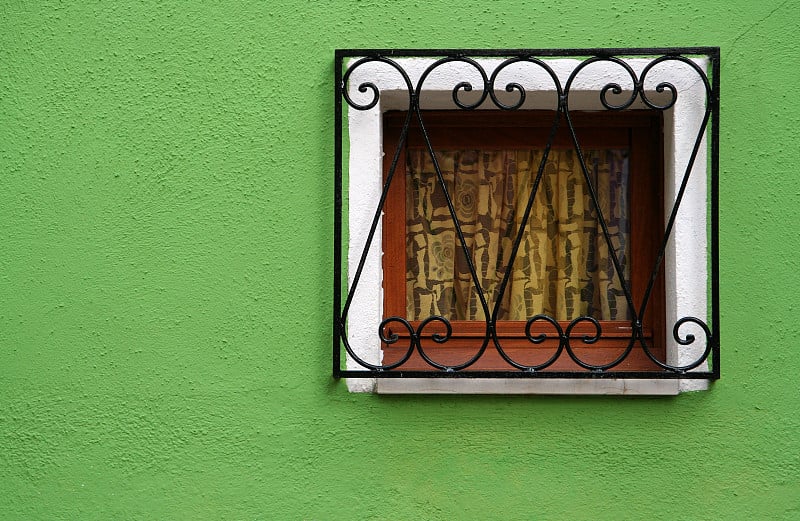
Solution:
(563, 267)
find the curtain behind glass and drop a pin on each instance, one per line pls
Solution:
(562, 268)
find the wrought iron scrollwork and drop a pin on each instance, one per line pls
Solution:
(486, 86)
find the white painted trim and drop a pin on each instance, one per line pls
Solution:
(525, 386)
(686, 273)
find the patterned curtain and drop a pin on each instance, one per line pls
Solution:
(563, 267)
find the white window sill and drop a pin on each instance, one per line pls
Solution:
(520, 386)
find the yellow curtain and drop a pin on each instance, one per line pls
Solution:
(562, 268)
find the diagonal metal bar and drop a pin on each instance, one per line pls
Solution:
(459, 232)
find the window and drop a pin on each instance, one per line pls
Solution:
(562, 269)
(373, 314)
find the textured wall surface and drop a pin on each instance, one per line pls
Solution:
(165, 273)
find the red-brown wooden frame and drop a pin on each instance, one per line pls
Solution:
(639, 131)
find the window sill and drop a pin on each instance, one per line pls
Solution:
(519, 386)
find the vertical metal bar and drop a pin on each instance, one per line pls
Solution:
(715, 61)
(337, 219)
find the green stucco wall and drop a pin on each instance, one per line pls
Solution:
(166, 181)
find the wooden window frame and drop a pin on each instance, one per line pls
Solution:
(638, 130)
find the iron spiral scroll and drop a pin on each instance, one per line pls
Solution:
(485, 88)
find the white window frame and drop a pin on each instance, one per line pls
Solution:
(686, 274)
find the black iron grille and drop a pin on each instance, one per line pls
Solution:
(629, 80)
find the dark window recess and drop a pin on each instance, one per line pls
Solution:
(521, 237)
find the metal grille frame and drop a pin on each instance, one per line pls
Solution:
(488, 94)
